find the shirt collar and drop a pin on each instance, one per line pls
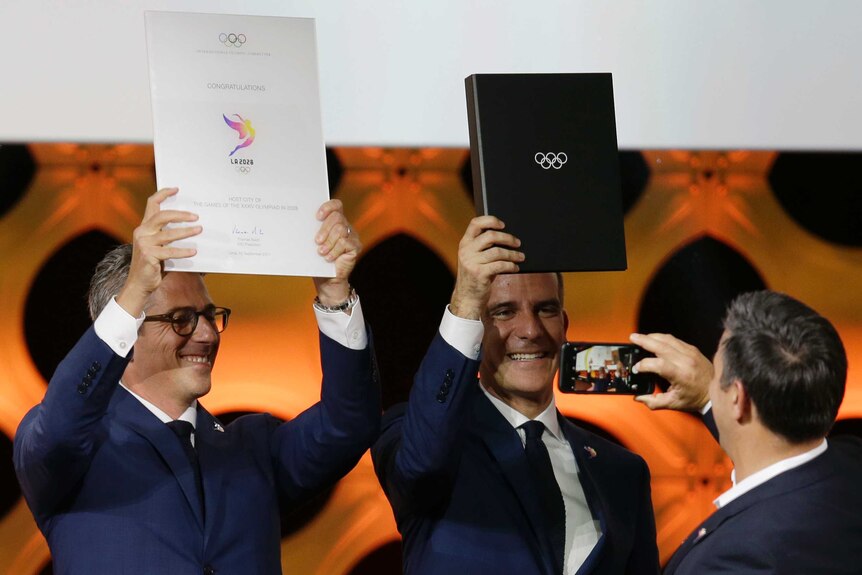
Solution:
(516, 419)
(190, 414)
(765, 474)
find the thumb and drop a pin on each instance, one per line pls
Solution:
(653, 402)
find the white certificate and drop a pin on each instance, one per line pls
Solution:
(237, 128)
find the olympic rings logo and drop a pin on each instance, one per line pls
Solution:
(551, 160)
(235, 40)
(243, 169)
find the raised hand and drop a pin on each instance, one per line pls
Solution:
(686, 369)
(484, 252)
(336, 242)
(150, 249)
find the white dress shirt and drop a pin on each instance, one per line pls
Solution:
(765, 474)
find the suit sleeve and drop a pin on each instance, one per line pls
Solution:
(644, 558)
(326, 441)
(58, 437)
(417, 454)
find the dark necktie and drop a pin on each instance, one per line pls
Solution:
(184, 431)
(549, 491)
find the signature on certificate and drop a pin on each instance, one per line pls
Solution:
(244, 231)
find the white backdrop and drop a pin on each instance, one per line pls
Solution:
(756, 74)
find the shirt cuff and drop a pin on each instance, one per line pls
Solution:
(705, 409)
(117, 328)
(465, 335)
(348, 330)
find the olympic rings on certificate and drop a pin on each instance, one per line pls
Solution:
(235, 40)
(551, 160)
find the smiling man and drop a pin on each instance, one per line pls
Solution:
(123, 468)
(487, 477)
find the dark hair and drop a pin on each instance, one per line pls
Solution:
(108, 279)
(790, 361)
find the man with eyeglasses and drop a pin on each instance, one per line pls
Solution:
(123, 469)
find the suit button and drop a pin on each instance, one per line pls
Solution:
(82, 388)
(441, 397)
(96, 366)
(87, 380)
(209, 570)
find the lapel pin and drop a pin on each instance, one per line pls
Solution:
(700, 534)
(217, 426)
(591, 453)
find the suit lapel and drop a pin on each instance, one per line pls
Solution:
(128, 411)
(797, 478)
(587, 458)
(506, 448)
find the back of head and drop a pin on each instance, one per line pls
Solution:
(108, 279)
(790, 360)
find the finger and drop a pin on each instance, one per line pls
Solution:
(345, 249)
(151, 235)
(340, 246)
(651, 365)
(169, 235)
(490, 238)
(163, 253)
(160, 219)
(154, 201)
(333, 220)
(674, 342)
(328, 207)
(336, 232)
(502, 267)
(653, 402)
(665, 343)
(481, 223)
(499, 254)
(648, 342)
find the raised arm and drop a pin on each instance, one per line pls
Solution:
(57, 438)
(418, 450)
(325, 441)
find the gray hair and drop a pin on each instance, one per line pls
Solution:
(108, 279)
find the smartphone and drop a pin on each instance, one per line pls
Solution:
(589, 367)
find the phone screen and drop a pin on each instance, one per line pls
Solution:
(604, 368)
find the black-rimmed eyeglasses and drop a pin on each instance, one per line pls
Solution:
(185, 320)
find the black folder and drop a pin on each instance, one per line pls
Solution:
(544, 156)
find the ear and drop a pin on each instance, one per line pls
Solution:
(741, 405)
(565, 322)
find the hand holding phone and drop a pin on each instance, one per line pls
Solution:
(604, 368)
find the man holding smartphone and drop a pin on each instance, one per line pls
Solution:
(487, 477)
(771, 398)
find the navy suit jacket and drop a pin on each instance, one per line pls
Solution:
(807, 520)
(113, 491)
(455, 473)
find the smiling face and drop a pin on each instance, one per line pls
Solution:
(167, 369)
(525, 325)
